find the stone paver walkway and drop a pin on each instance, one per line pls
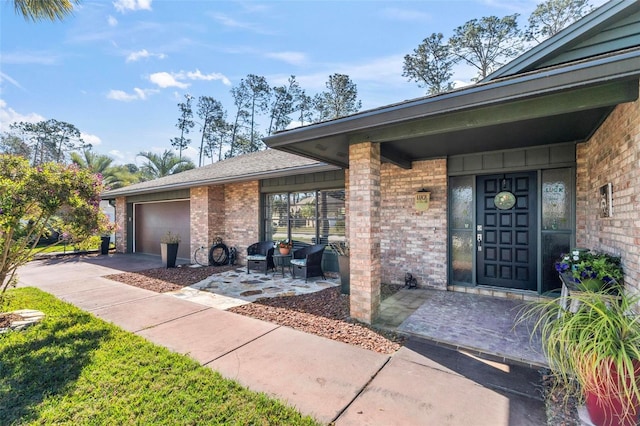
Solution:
(237, 287)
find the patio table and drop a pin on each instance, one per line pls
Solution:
(281, 260)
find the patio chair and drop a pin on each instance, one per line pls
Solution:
(260, 256)
(308, 261)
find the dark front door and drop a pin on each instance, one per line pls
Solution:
(506, 230)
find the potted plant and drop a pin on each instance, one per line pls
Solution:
(169, 249)
(597, 347)
(583, 270)
(284, 246)
(105, 238)
(342, 250)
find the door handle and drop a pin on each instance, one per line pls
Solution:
(479, 241)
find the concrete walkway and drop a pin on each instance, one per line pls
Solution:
(332, 381)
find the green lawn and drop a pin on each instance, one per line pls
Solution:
(76, 369)
(64, 248)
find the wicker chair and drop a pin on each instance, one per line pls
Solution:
(307, 261)
(260, 256)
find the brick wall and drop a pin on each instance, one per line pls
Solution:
(612, 155)
(121, 225)
(207, 215)
(242, 216)
(364, 230)
(414, 241)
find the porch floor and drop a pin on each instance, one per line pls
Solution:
(479, 324)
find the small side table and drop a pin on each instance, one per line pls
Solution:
(282, 261)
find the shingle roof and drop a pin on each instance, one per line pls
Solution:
(257, 165)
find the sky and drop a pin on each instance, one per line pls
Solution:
(117, 69)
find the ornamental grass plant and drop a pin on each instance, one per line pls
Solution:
(596, 349)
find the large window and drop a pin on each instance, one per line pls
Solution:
(312, 217)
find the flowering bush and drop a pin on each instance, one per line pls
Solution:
(585, 267)
(34, 199)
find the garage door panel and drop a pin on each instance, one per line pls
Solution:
(153, 220)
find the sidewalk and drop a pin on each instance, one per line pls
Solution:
(332, 381)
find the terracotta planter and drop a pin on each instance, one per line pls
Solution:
(607, 408)
(285, 250)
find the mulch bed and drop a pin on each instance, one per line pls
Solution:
(324, 313)
(163, 280)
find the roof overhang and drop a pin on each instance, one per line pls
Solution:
(246, 177)
(556, 105)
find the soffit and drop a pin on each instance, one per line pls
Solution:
(562, 104)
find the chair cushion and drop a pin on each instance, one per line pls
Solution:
(256, 257)
(299, 262)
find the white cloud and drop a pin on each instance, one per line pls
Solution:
(138, 94)
(112, 21)
(398, 14)
(120, 157)
(385, 71)
(293, 58)
(90, 139)
(144, 53)
(9, 115)
(123, 6)
(190, 153)
(230, 22)
(164, 80)
(294, 124)
(116, 154)
(458, 84)
(5, 77)
(197, 75)
(177, 79)
(33, 57)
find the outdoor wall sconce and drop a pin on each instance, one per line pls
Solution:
(422, 199)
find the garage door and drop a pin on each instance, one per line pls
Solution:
(153, 220)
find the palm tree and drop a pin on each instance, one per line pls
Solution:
(96, 163)
(113, 176)
(168, 163)
(120, 176)
(44, 9)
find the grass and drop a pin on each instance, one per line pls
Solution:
(62, 247)
(59, 247)
(74, 368)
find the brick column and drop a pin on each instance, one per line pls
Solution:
(121, 224)
(206, 215)
(364, 230)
